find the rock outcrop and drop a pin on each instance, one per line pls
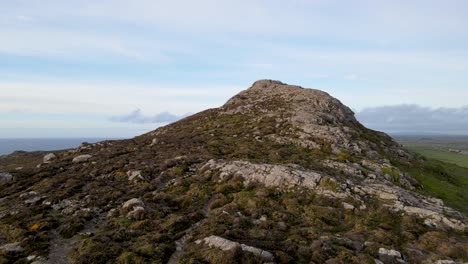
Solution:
(48, 158)
(6, 177)
(226, 245)
(12, 247)
(267, 174)
(81, 158)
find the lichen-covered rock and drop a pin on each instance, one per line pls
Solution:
(137, 213)
(293, 176)
(433, 211)
(81, 158)
(48, 158)
(389, 256)
(135, 175)
(318, 119)
(31, 197)
(267, 174)
(445, 261)
(68, 206)
(6, 177)
(154, 141)
(130, 204)
(12, 247)
(219, 242)
(348, 206)
(353, 169)
(226, 245)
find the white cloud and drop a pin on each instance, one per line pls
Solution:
(110, 98)
(263, 16)
(77, 45)
(351, 77)
(119, 25)
(139, 118)
(416, 119)
(24, 18)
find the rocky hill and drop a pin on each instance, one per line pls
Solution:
(279, 174)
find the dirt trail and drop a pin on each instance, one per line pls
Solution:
(181, 243)
(60, 247)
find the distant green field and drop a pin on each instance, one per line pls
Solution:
(444, 174)
(445, 181)
(437, 147)
(442, 155)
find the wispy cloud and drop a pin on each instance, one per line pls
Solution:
(110, 98)
(351, 77)
(24, 18)
(416, 119)
(109, 57)
(139, 118)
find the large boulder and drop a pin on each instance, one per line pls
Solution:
(267, 174)
(48, 158)
(390, 256)
(134, 175)
(137, 213)
(81, 158)
(134, 209)
(12, 247)
(130, 204)
(6, 177)
(226, 245)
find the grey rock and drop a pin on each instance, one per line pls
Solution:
(348, 206)
(137, 213)
(48, 158)
(130, 204)
(29, 194)
(219, 242)
(344, 168)
(81, 158)
(397, 198)
(134, 175)
(12, 247)
(225, 245)
(282, 226)
(112, 213)
(67, 206)
(6, 177)
(390, 256)
(31, 197)
(154, 142)
(269, 175)
(433, 212)
(33, 200)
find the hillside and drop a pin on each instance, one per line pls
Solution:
(279, 174)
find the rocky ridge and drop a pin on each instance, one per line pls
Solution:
(279, 173)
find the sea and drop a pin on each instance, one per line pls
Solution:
(9, 145)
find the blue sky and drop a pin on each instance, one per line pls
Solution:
(75, 68)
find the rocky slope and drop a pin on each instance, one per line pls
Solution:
(279, 174)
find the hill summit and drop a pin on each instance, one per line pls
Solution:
(278, 174)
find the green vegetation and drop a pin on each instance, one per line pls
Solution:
(442, 155)
(442, 173)
(393, 173)
(438, 148)
(445, 181)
